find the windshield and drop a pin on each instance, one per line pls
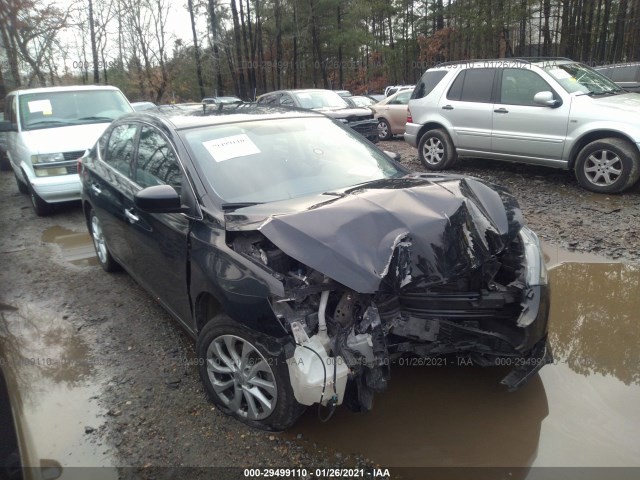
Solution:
(320, 99)
(362, 101)
(270, 160)
(60, 109)
(576, 77)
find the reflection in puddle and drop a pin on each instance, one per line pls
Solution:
(76, 248)
(582, 411)
(51, 374)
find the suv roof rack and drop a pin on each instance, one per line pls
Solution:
(508, 59)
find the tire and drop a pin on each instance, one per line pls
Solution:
(384, 130)
(41, 207)
(5, 164)
(436, 151)
(22, 187)
(608, 165)
(243, 379)
(107, 262)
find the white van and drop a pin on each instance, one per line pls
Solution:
(48, 129)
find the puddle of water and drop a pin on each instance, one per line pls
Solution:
(76, 248)
(581, 412)
(51, 378)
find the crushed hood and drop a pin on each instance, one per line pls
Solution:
(448, 224)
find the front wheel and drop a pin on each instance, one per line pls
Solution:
(243, 379)
(608, 165)
(436, 151)
(22, 187)
(41, 207)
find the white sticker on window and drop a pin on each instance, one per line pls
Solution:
(235, 146)
(560, 74)
(37, 106)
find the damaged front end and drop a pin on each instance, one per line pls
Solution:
(419, 266)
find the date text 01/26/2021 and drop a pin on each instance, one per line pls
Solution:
(316, 472)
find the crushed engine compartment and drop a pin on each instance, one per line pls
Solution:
(359, 335)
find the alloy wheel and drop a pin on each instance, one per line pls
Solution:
(603, 168)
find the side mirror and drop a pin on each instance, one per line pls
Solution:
(159, 199)
(393, 155)
(8, 127)
(545, 99)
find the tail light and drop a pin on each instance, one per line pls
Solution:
(409, 117)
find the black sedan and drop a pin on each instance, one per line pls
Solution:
(304, 260)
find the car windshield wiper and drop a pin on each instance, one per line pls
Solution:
(96, 117)
(235, 205)
(48, 122)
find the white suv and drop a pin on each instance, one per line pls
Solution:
(551, 112)
(48, 129)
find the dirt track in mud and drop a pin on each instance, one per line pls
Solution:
(121, 387)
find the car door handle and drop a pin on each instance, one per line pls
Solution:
(501, 110)
(133, 218)
(96, 189)
(447, 107)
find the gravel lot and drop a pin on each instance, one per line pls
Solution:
(154, 411)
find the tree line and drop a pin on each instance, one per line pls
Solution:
(248, 47)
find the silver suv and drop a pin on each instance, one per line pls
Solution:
(552, 112)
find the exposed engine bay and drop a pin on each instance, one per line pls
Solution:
(465, 279)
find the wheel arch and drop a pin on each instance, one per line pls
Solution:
(592, 136)
(207, 306)
(431, 126)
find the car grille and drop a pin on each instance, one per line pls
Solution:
(73, 155)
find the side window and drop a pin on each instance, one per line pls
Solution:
(269, 100)
(428, 82)
(478, 85)
(9, 109)
(455, 91)
(286, 100)
(120, 148)
(402, 99)
(519, 86)
(157, 163)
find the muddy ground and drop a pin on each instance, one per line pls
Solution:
(146, 407)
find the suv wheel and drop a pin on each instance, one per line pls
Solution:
(436, 151)
(384, 130)
(608, 165)
(244, 379)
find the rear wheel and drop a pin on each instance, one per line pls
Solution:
(107, 262)
(436, 151)
(243, 379)
(608, 165)
(384, 130)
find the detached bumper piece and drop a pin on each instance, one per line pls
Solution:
(366, 128)
(527, 367)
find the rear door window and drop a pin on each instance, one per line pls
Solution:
(473, 85)
(120, 149)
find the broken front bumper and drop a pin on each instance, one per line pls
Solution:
(366, 128)
(526, 367)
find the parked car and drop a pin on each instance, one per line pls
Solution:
(625, 75)
(329, 103)
(359, 101)
(48, 129)
(343, 93)
(221, 100)
(391, 114)
(4, 159)
(304, 260)
(552, 112)
(140, 106)
(391, 89)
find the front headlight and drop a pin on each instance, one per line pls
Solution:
(536, 270)
(47, 158)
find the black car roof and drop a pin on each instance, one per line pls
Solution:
(195, 115)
